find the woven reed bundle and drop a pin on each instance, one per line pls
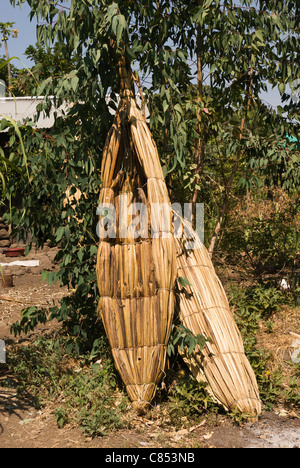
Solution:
(204, 309)
(136, 276)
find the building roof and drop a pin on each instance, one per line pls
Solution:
(22, 108)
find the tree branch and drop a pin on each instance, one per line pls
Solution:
(199, 152)
(228, 186)
(138, 83)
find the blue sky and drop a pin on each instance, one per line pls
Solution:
(27, 36)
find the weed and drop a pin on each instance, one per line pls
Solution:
(251, 306)
(61, 417)
(292, 392)
(270, 325)
(258, 301)
(91, 399)
(37, 368)
(189, 398)
(182, 337)
(88, 392)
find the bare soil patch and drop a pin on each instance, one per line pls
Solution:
(23, 426)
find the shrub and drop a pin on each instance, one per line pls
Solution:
(87, 392)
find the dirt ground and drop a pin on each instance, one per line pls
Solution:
(22, 426)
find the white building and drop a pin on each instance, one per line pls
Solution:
(21, 108)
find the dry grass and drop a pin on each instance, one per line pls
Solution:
(278, 338)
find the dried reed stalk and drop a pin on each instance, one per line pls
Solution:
(136, 276)
(204, 309)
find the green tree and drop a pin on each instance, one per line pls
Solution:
(7, 31)
(48, 62)
(201, 67)
(238, 48)
(14, 71)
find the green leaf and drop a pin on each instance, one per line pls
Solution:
(74, 83)
(43, 86)
(178, 108)
(44, 276)
(165, 106)
(184, 281)
(17, 130)
(67, 232)
(6, 62)
(93, 250)
(80, 254)
(59, 233)
(4, 124)
(281, 88)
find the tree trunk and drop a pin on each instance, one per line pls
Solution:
(199, 150)
(8, 68)
(228, 185)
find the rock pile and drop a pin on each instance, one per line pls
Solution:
(4, 235)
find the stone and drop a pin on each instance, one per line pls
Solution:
(4, 234)
(4, 243)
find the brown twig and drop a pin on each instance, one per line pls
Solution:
(11, 299)
(138, 83)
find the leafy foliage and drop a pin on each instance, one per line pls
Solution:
(252, 305)
(190, 398)
(4, 71)
(241, 48)
(182, 337)
(264, 237)
(7, 31)
(87, 393)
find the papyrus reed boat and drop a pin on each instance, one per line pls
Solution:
(204, 309)
(136, 273)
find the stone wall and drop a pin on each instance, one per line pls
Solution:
(5, 240)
